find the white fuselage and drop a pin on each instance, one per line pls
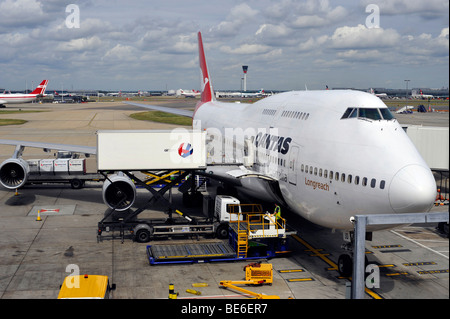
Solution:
(328, 168)
(16, 98)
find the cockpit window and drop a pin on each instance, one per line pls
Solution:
(347, 113)
(371, 114)
(387, 115)
(368, 113)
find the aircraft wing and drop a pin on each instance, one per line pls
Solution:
(166, 109)
(52, 146)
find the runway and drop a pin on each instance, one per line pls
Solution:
(34, 255)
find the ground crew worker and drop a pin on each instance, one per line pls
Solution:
(277, 212)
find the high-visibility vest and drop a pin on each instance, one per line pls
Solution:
(277, 212)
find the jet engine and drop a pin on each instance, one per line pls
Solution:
(119, 192)
(14, 173)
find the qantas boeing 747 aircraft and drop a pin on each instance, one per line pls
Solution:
(327, 155)
(335, 153)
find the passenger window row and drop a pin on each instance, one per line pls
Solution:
(269, 112)
(288, 114)
(342, 177)
(295, 115)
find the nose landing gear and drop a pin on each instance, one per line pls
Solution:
(345, 261)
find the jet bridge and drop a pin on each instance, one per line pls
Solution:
(360, 223)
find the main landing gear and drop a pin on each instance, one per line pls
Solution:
(345, 261)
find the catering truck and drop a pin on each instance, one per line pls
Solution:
(67, 167)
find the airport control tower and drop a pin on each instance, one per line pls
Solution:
(245, 68)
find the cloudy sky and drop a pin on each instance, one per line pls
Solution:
(287, 44)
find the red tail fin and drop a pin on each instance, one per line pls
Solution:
(207, 89)
(40, 89)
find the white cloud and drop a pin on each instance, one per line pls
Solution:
(120, 53)
(425, 45)
(305, 14)
(182, 45)
(429, 8)
(328, 16)
(313, 43)
(246, 49)
(361, 55)
(309, 21)
(360, 37)
(83, 44)
(21, 13)
(239, 16)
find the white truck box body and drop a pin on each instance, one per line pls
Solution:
(151, 150)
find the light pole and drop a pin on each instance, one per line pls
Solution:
(407, 81)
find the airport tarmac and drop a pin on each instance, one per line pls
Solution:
(37, 255)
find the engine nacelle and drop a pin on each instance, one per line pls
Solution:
(119, 192)
(14, 173)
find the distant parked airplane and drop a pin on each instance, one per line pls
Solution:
(16, 98)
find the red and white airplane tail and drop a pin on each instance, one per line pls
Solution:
(40, 89)
(207, 88)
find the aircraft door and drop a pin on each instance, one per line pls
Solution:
(293, 165)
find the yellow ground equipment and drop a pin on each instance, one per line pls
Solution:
(194, 292)
(259, 272)
(256, 274)
(86, 287)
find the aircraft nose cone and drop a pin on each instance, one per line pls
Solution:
(412, 190)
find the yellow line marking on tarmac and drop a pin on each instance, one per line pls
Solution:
(290, 270)
(331, 263)
(397, 274)
(299, 279)
(316, 253)
(89, 124)
(372, 294)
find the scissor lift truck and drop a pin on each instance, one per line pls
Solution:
(251, 236)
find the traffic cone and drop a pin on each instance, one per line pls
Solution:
(38, 219)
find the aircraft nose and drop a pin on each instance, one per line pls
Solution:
(412, 190)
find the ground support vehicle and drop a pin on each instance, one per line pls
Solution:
(76, 181)
(176, 224)
(67, 167)
(256, 274)
(86, 287)
(252, 235)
